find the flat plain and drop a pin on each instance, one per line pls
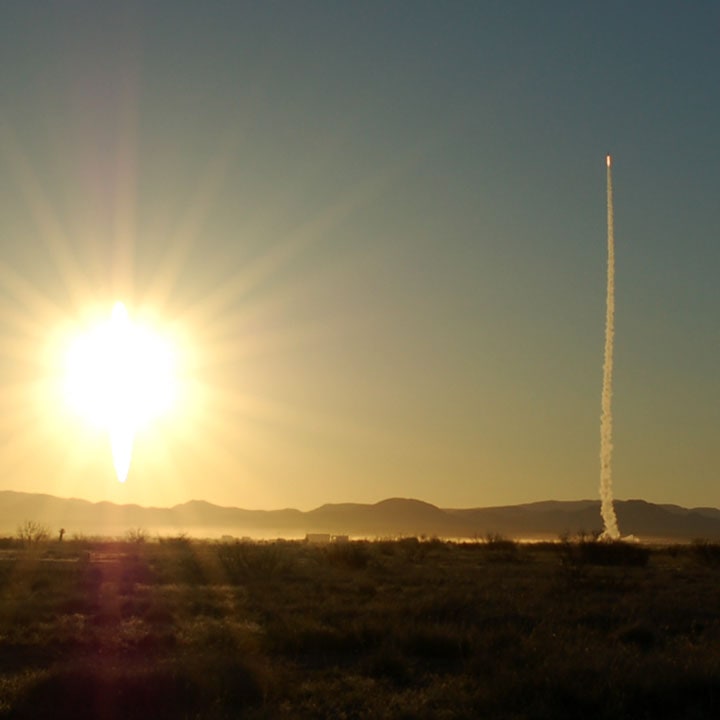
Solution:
(402, 628)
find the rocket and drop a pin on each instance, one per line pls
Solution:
(608, 160)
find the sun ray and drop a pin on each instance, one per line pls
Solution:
(244, 313)
(48, 225)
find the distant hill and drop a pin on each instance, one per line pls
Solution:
(388, 518)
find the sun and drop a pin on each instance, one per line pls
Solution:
(120, 375)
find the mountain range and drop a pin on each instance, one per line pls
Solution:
(388, 518)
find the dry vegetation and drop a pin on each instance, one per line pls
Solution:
(390, 629)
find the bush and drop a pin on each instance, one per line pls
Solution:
(501, 548)
(615, 553)
(590, 550)
(33, 533)
(136, 535)
(353, 555)
(707, 553)
(242, 561)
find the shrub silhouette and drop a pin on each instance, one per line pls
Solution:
(32, 533)
(354, 555)
(706, 552)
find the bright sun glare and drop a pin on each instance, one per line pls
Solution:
(120, 376)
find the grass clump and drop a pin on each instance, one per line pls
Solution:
(132, 689)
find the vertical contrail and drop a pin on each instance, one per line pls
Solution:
(610, 530)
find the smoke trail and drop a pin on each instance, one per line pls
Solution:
(607, 509)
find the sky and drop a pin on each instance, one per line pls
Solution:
(376, 232)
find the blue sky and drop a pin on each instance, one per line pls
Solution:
(380, 227)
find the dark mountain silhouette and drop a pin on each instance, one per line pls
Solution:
(388, 518)
(396, 516)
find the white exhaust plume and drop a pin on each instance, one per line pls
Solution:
(610, 530)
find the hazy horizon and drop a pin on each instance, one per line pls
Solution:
(377, 233)
(376, 501)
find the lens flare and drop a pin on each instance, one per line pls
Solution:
(120, 376)
(121, 445)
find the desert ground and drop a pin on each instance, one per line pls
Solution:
(401, 628)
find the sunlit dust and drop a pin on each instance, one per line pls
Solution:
(120, 376)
